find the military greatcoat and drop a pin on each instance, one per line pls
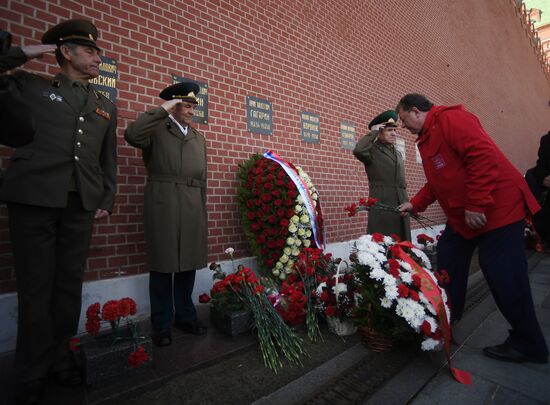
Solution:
(175, 195)
(386, 173)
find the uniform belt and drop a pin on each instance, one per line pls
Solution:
(382, 184)
(188, 181)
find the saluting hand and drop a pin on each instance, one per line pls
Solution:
(475, 220)
(37, 51)
(170, 105)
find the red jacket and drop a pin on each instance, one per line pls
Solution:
(466, 170)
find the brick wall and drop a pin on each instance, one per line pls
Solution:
(345, 61)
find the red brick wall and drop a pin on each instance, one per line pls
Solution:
(345, 61)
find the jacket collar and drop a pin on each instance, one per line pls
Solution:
(432, 117)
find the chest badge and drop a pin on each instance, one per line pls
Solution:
(439, 162)
(54, 97)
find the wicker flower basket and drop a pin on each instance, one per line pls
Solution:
(374, 340)
(335, 325)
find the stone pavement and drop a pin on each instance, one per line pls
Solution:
(216, 369)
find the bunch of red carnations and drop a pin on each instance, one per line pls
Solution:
(113, 312)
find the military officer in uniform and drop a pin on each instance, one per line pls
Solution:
(386, 173)
(55, 187)
(175, 208)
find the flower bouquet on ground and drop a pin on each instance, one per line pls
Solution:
(337, 299)
(295, 301)
(228, 312)
(275, 337)
(119, 351)
(394, 301)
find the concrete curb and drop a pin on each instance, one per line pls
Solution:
(308, 385)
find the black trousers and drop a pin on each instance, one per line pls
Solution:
(504, 264)
(50, 246)
(169, 293)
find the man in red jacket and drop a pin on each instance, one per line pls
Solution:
(486, 200)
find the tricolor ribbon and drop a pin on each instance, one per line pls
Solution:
(302, 188)
(432, 292)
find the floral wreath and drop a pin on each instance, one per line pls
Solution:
(275, 215)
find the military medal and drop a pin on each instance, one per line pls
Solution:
(103, 113)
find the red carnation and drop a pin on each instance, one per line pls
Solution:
(137, 358)
(403, 290)
(127, 307)
(330, 311)
(414, 295)
(378, 237)
(204, 298)
(110, 311)
(426, 328)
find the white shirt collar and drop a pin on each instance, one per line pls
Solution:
(181, 127)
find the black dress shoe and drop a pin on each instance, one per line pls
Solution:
(70, 377)
(30, 392)
(194, 327)
(506, 352)
(162, 338)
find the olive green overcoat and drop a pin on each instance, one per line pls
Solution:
(175, 194)
(386, 173)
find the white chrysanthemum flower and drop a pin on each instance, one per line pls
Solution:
(425, 261)
(298, 208)
(314, 196)
(411, 311)
(295, 252)
(389, 279)
(299, 199)
(362, 243)
(308, 234)
(279, 265)
(290, 241)
(372, 247)
(404, 265)
(385, 302)
(307, 243)
(304, 219)
(377, 274)
(288, 270)
(298, 242)
(287, 251)
(230, 251)
(301, 232)
(424, 300)
(276, 272)
(380, 257)
(429, 344)
(406, 277)
(366, 259)
(388, 240)
(292, 228)
(282, 276)
(284, 259)
(432, 322)
(391, 292)
(295, 219)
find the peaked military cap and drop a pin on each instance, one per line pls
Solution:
(81, 32)
(387, 118)
(186, 91)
